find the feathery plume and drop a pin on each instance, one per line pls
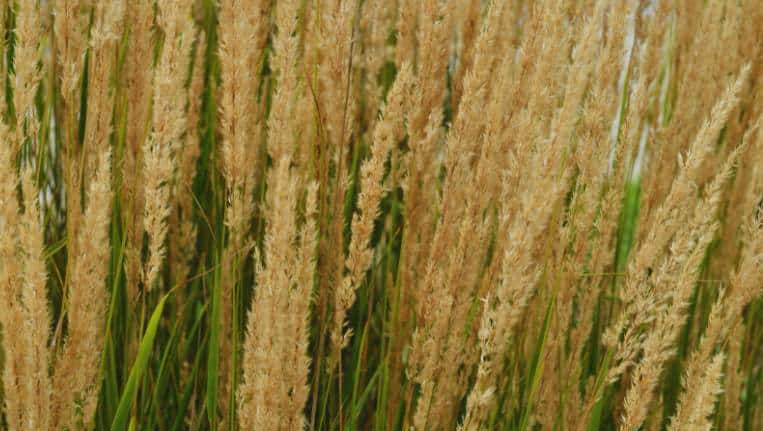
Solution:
(11, 312)
(35, 384)
(265, 396)
(387, 133)
(76, 379)
(26, 74)
(161, 149)
(137, 92)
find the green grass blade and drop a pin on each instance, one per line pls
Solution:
(213, 358)
(138, 369)
(536, 370)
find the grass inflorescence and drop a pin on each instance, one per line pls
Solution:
(381, 215)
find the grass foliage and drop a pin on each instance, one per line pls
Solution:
(381, 215)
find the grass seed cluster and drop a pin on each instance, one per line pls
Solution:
(418, 215)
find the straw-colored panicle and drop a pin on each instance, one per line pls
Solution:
(663, 224)
(444, 342)
(11, 311)
(674, 282)
(422, 35)
(601, 107)
(285, 280)
(298, 359)
(469, 215)
(658, 346)
(469, 25)
(590, 159)
(137, 76)
(375, 26)
(70, 28)
(519, 275)
(336, 67)
(424, 130)
(285, 137)
(703, 71)
(407, 26)
(706, 58)
(389, 130)
(583, 61)
(535, 209)
(288, 144)
(161, 149)
(696, 375)
(485, 152)
(734, 381)
(471, 144)
(194, 123)
(744, 287)
(35, 383)
(592, 234)
(433, 49)
(544, 77)
(82, 160)
(75, 377)
(158, 163)
(599, 181)
(461, 222)
(744, 197)
(481, 397)
(76, 380)
(104, 37)
(707, 390)
(465, 143)
(27, 74)
(242, 37)
(745, 281)
(274, 387)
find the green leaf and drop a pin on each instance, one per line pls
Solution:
(537, 366)
(138, 369)
(213, 359)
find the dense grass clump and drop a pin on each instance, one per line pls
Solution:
(381, 215)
